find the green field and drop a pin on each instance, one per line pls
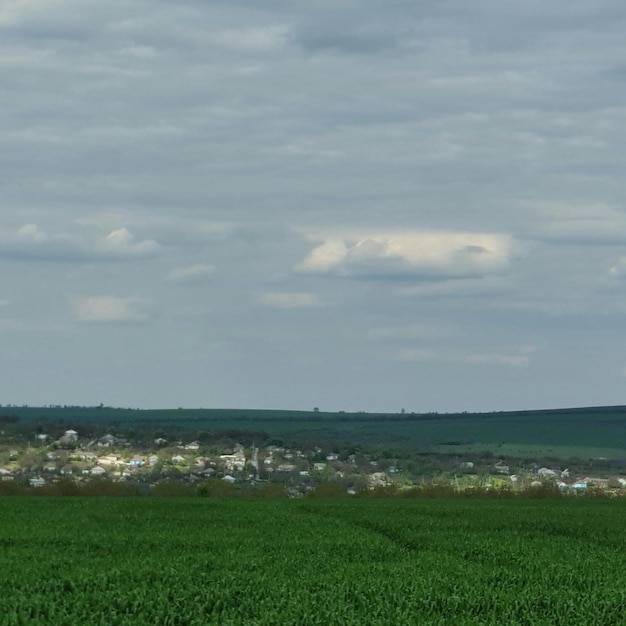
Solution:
(582, 433)
(345, 562)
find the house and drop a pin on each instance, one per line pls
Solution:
(377, 479)
(545, 472)
(69, 437)
(137, 461)
(108, 441)
(598, 483)
(235, 461)
(286, 467)
(111, 459)
(194, 445)
(37, 482)
(319, 467)
(179, 460)
(153, 460)
(332, 457)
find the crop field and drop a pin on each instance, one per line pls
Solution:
(345, 562)
(582, 433)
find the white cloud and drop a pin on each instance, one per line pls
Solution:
(191, 274)
(31, 232)
(107, 309)
(121, 243)
(510, 360)
(289, 299)
(619, 269)
(515, 357)
(412, 253)
(32, 242)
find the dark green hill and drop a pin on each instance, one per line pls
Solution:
(581, 432)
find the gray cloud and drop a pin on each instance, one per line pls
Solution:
(415, 196)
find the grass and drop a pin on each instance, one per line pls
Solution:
(231, 562)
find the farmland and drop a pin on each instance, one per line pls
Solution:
(577, 432)
(307, 561)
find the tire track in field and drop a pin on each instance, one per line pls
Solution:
(369, 526)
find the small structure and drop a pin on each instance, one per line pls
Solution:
(108, 441)
(235, 461)
(69, 437)
(111, 459)
(545, 472)
(286, 467)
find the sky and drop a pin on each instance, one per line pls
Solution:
(361, 206)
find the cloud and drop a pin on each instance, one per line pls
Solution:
(30, 242)
(483, 286)
(121, 244)
(342, 35)
(516, 357)
(289, 299)
(412, 254)
(590, 224)
(619, 269)
(191, 274)
(426, 331)
(255, 39)
(107, 309)
(510, 360)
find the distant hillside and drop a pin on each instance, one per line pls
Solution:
(582, 432)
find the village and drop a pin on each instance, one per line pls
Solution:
(40, 459)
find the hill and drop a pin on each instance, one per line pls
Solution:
(575, 432)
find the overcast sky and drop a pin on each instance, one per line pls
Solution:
(355, 205)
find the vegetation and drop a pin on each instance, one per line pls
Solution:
(564, 433)
(311, 561)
